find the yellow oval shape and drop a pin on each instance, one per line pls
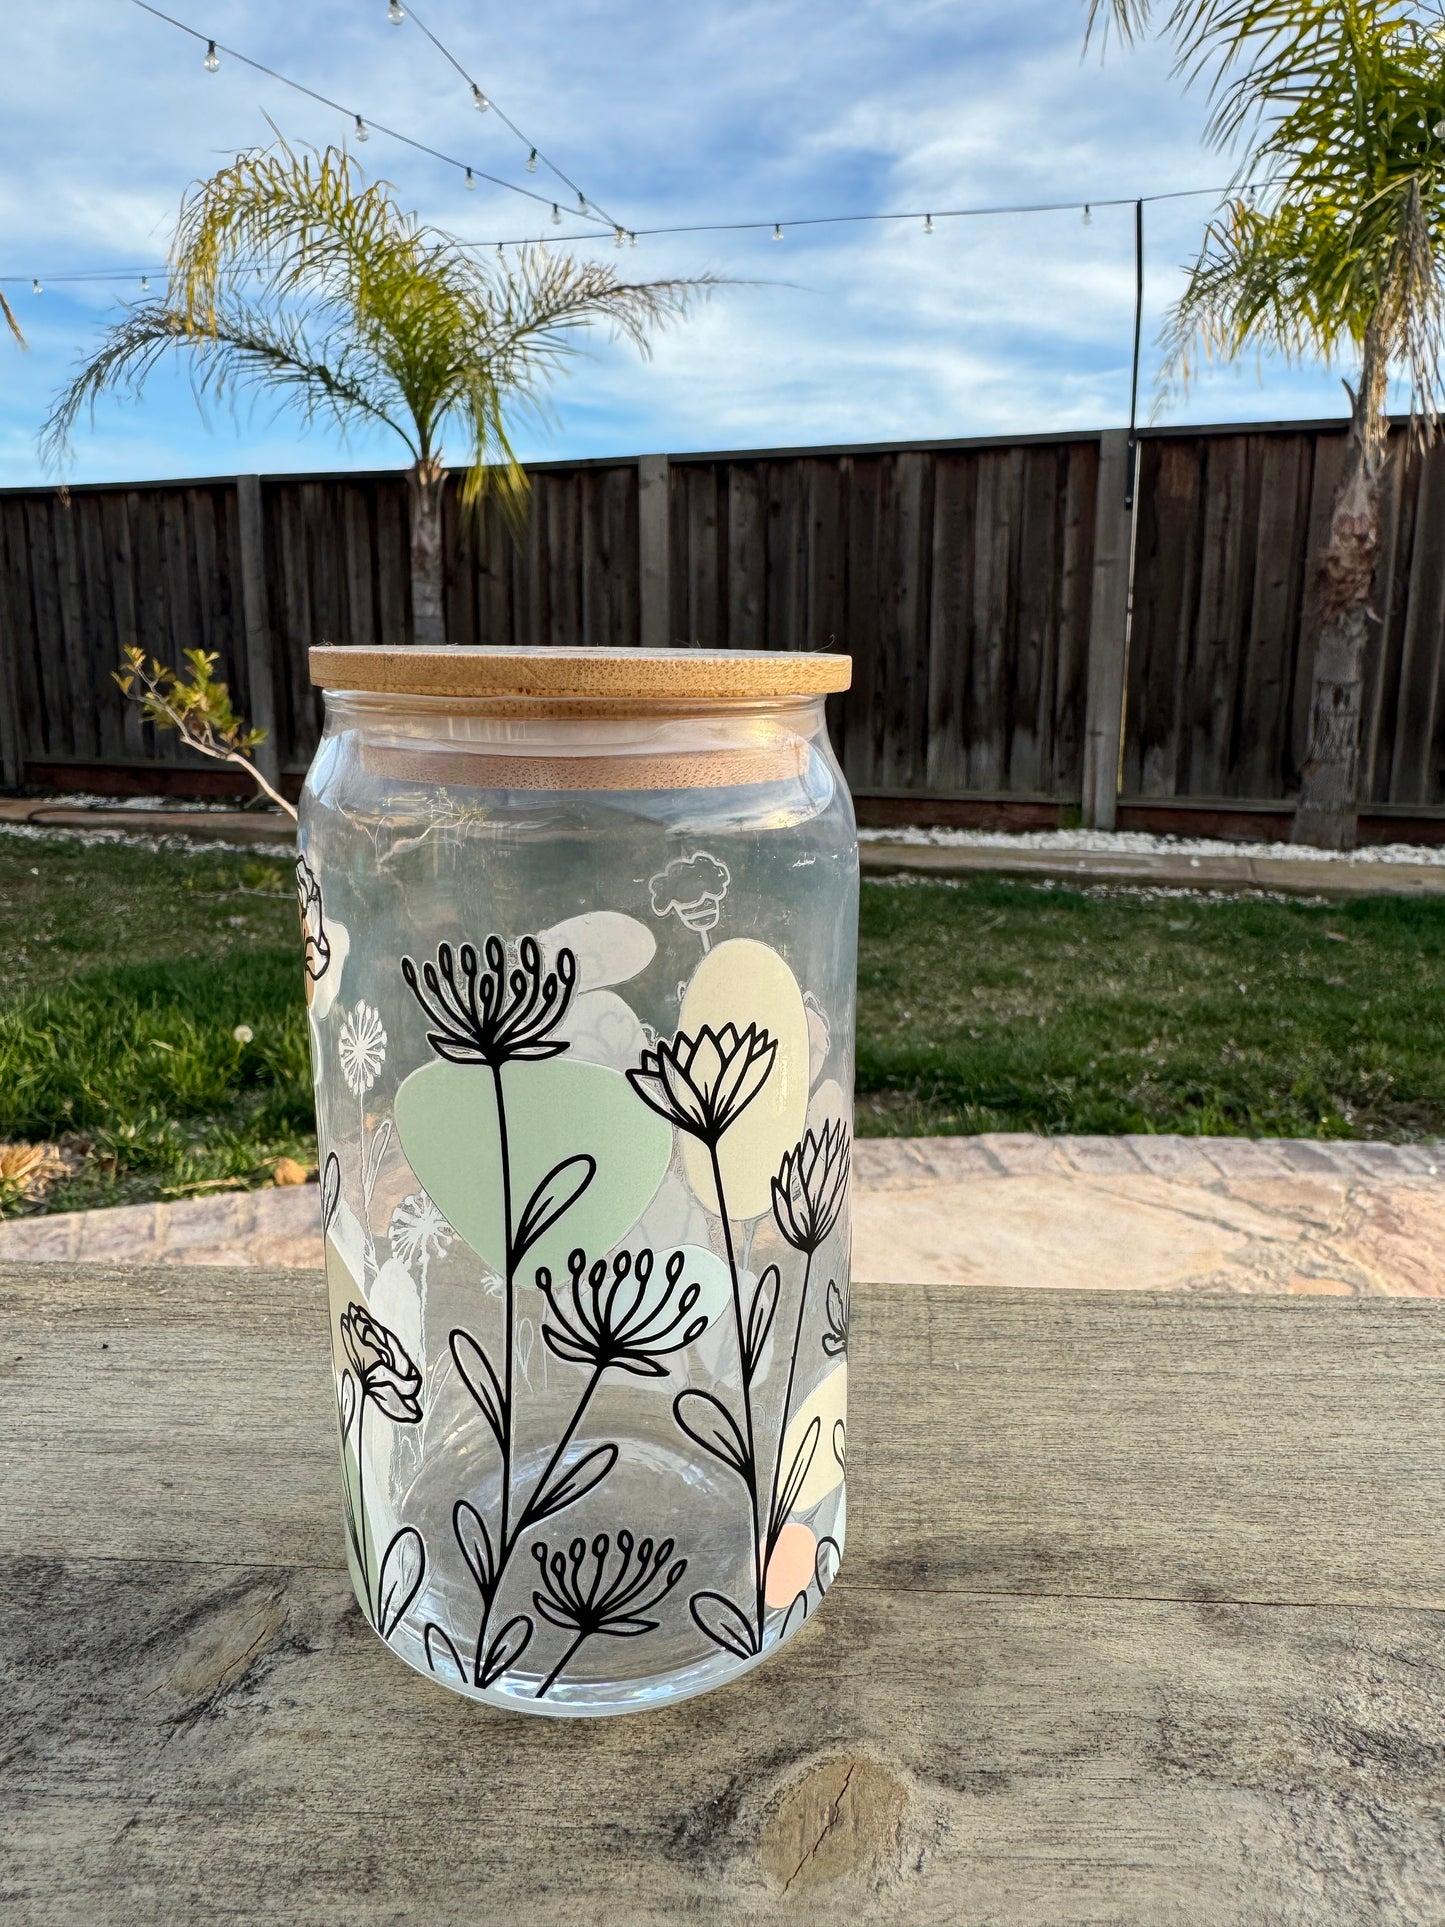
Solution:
(743, 982)
(828, 1404)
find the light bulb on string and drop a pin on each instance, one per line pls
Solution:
(1088, 215)
(581, 202)
(479, 99)
(928, 224)
(632, 240)
(361, 129)
(471, 180)
(395, 12)
(777, 230)
(556, 215)
(532, 162)
(212, 60)
(1438, 130)
(145, 284)
(618, 237)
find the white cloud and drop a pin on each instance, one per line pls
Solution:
(774, 110)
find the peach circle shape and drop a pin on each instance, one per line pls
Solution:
(790, 1570)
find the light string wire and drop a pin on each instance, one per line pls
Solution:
(362, 120)
(730, 227)
(534, 153)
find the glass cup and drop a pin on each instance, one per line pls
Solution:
(580, 934)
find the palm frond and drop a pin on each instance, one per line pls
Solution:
(14, 326)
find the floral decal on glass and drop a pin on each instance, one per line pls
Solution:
(691, 889)
(534, 1138)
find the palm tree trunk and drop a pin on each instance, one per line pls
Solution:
(1330, 780)
(426, 480)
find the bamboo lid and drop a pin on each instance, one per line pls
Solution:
(613, 676)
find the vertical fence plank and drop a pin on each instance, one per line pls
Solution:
(654, 551)
(1108, 631)
(256, 623)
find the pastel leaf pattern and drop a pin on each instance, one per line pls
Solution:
(403, 1567)
(555, 1195)
(709, 1424)
(572, 1483)
(725, 1623)
(480, 1379)
(505, 1650)
(760, 1319)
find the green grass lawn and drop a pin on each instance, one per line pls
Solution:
(991, 1005)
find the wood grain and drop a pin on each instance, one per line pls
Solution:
(1140, 1622)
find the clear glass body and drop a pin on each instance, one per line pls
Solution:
(581, 998)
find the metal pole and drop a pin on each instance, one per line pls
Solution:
(1133, 462)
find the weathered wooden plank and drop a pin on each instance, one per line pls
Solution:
(654, 551)
(866, 735)
(1388, 596)
(1108, 632)
(13, 659)
(951, 575)
(746, 557)
(1213, 626)
(1272, 1450)
(1166, 577)
(1414, 773)
(1264, 671)
(1328, 465)
(256, 624)
(993, 626)
(1140, 1621)
(1068, 724)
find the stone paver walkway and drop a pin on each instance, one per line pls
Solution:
(1153, 1213)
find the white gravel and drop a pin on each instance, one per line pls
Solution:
(1139, 843)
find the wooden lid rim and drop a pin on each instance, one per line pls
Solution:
(605, 675)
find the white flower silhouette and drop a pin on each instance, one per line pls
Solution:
(691, 889)
(419, 1232)
(363, 1049)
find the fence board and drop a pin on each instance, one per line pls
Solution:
(962, 578)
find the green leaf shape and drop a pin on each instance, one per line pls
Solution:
(446, 1118)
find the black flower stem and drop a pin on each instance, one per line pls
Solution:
(525, 1518)
(509, 1269)
(773, 1527)
(551, 1680)
(752, 1479)
(361, 1494)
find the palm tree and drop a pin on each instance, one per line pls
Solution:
(291, 276)
(1337, 109)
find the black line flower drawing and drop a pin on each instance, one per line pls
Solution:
(486, 1012)
(691, 889)
(809, 1189)
(703, 1084)
(493, 1015)
(384, 1371)
(577, 1593)
(835, 1339)
(384, 1376)
(612, 1316)
(313, 922)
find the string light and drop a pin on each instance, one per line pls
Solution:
(362, 135)
(395, 12)
(115, 275)
(1088, 215)
(35, 287)
(928, 224)
(145, 284)
(471, 180)
(535, 155)
(214, 50)
(618, 238)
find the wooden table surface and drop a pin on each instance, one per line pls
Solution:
(1141, 1620)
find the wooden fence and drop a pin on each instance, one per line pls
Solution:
(982, 589)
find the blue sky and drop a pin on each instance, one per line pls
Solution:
(667, 114)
